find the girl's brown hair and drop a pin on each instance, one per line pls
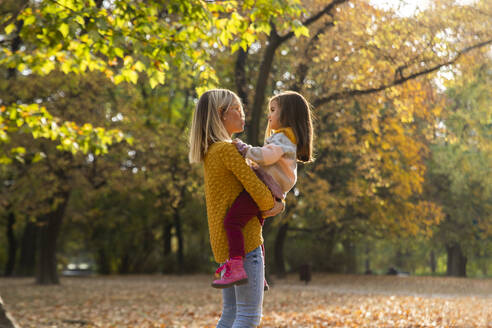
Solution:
(295, 112)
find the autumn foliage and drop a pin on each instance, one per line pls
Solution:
(189, 301)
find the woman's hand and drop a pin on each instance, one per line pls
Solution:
(276, 209)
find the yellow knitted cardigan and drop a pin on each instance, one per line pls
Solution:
(226, 175)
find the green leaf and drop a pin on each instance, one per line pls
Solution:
(18, 150)
(80, 20)
(160, 77)
(64, 29)
(4, 160)
(133, 76)
(153, 82)
(301, 30)
(139, 66)
(244, 45)
(38, 157)
(235, 47)
(21, 67)
(119, 52)
(12, 114)
(29, 20)
(265, 28)
(10, 28)
(65, 67)
(119, 78)
(224, 38)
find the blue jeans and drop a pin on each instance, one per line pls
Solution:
(242, 304)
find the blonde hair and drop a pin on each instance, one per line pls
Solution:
(295, 112)
(207, 126)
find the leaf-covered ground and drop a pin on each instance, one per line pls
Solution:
(188, 301)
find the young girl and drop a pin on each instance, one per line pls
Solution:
(288, 139)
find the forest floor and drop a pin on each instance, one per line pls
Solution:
(189, 301)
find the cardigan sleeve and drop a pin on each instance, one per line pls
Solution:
(266, 155)
(276, 146)
(234, 162)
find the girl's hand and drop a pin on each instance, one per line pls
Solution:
(241, 146)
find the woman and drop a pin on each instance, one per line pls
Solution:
(218, 115)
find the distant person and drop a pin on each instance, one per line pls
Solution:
(288, 139)
(305, 273)
(218, 115)
(392, 271)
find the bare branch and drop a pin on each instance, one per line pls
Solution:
(14, 16)
(399, 80)
(326, 10)
(303, 68)
(274, 41)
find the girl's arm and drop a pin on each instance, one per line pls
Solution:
(278, 145)
(234, 162)
(265, 155)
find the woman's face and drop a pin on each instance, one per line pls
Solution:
(233, 119)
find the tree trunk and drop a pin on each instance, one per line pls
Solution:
(15, 45)
(399, 259)
(179, 235)
(141, 260)
(367, 262)
(240, 76)
(432, 260)
(12, 245)
(279, 250)
(27, 262)
(6, 321)
(103, 266)
(456, 264)
(350, 257)
(274, 41)
(49, 230)
(168, 227)
(260, 90)
(124, 267)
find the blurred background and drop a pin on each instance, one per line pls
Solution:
(96, 99)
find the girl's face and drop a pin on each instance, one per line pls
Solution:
(274, 115)
(233, 119)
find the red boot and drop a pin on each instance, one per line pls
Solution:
(234, 274)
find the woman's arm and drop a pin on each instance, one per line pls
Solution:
(234, 162)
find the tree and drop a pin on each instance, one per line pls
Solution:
(123, 40)
(5, 318)
(46, 175)
(459, 178)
